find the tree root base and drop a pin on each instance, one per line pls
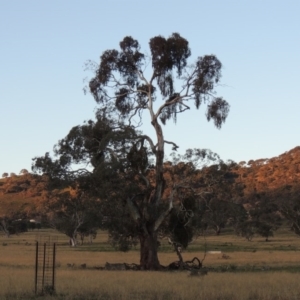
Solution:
(190, 265)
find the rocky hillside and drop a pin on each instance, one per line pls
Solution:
(272, 174)
(21, 193)
(258, 176)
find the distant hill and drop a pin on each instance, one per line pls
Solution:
(26, 191)
(21, 192)
(270, 174)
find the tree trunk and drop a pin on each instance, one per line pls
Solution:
(4, 228)
(73, 241)
(148, 253)
(178, 252)
(91, 238)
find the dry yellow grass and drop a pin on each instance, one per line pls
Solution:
(94, 284)
(149, 285)
(20, 251)
(17, 271)
(22, 256)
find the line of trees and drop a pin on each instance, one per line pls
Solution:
(12, 174)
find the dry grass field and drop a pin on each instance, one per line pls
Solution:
(247, 270)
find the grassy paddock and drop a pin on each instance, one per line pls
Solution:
(280, 254)
(93, 284)
(281, 251)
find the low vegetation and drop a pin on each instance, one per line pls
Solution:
(237, 269)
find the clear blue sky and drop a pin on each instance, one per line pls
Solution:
(44, 45)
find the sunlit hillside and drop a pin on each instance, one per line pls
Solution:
(21, 193)
(271, 173)
(262, 176)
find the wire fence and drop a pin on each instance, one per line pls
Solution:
(45, 255)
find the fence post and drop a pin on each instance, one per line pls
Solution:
(44, 267)
(36, 265)
(53, 267)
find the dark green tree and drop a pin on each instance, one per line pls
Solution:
(205, 195)
(72, 213)
(288, 201)
(183, 176)
(13, 222)
(264, 215)
(221, 195)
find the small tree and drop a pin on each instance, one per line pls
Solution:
(123, 92)
(12, 222)
(264, 216)
(5, 175)
(221, 194)
(5, 226)
(288, 201)
(70, 212)
(24, 172)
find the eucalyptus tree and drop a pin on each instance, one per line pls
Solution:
(132, 160)
(89, 165)
(72, 212)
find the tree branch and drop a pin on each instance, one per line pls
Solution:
(165, 213)
(134, 211)
(175, 147)
(142, 77)
(149, 140)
